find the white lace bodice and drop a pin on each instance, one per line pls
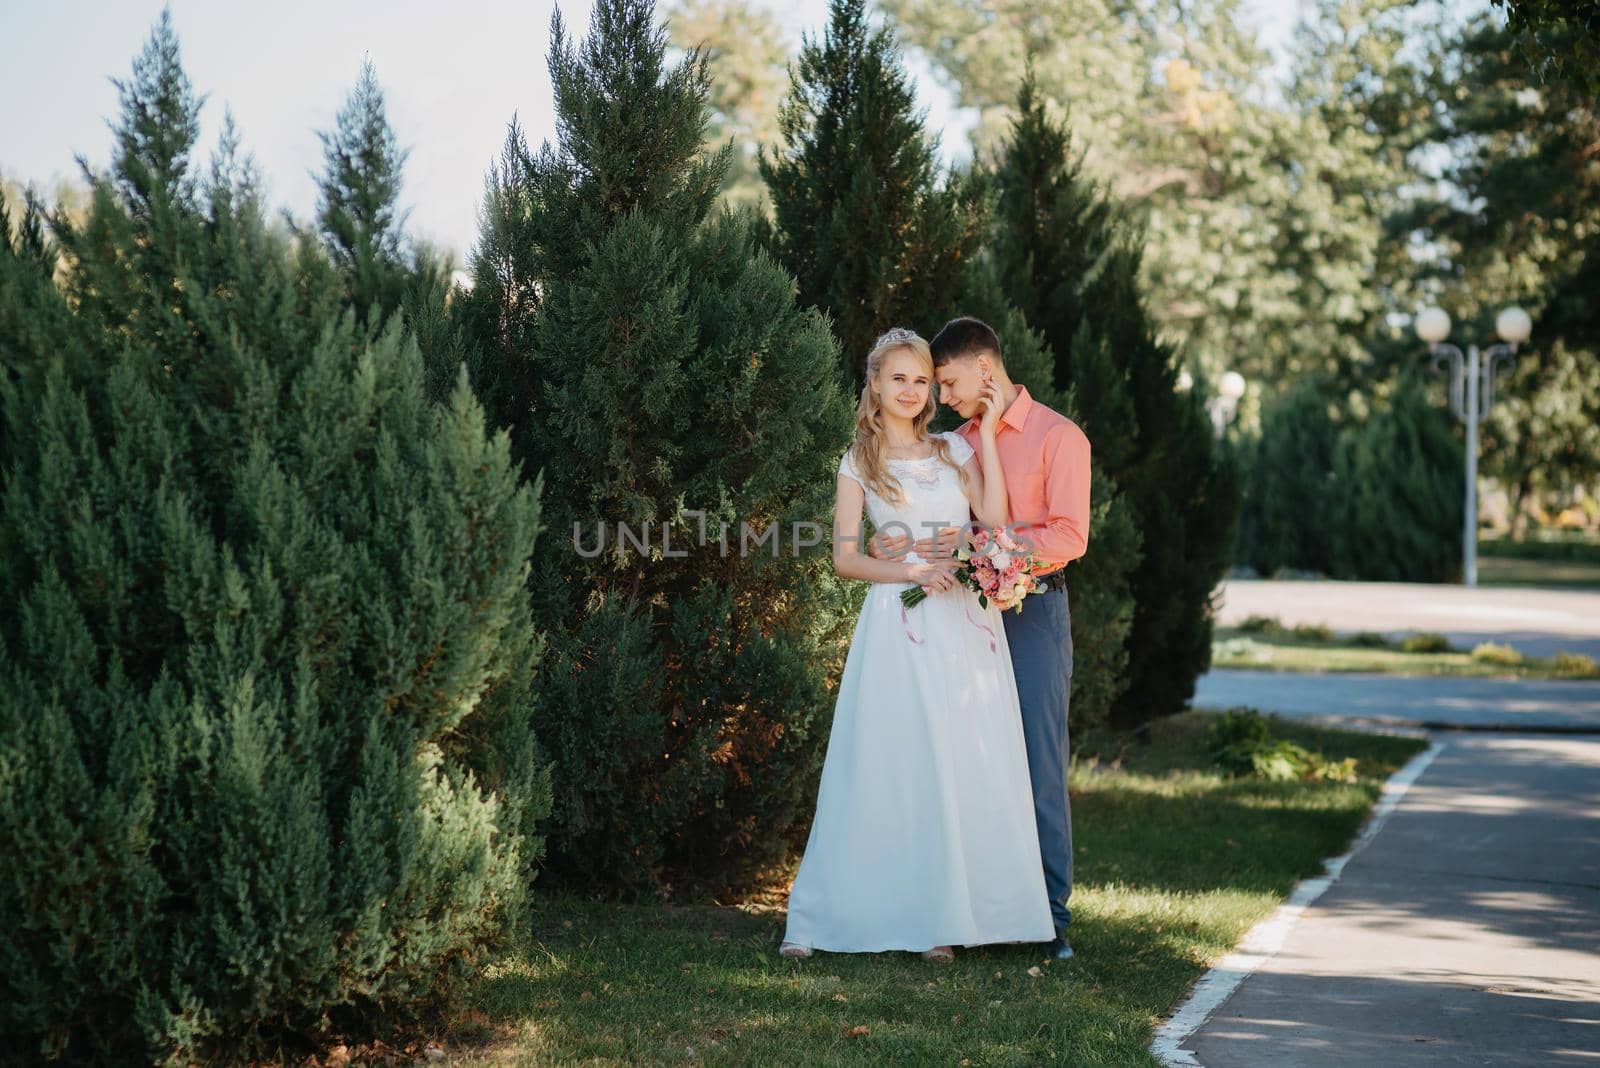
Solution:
(931, 492)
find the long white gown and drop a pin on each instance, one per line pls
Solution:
(924, 832)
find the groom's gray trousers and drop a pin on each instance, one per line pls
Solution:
(1040, 637)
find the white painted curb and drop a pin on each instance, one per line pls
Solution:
(1262, 942)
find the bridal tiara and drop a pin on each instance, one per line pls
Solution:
(899, 333)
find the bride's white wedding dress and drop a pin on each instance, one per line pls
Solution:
(924, 832)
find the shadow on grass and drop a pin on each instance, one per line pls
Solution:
(1174, 863)
(705, 984)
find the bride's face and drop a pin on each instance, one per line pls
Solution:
(903, 384)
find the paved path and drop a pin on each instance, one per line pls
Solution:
(1518, 704)
(1537, 621)
(1467, 931)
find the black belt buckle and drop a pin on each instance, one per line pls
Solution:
(1056, 580)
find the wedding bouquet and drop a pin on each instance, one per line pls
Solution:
(994, 566)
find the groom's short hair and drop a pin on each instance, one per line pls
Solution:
(964, 337)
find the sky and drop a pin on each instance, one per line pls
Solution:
(453, 74)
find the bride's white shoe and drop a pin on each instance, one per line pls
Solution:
(794, 950)
(940, 954)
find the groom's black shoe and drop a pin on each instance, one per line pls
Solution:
(1060, 948)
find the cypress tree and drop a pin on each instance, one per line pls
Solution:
(1287, 519)
(265, 758)
(860, 216)
(1070, 260)
(1398, 489)
(651, 360)
(358, 213)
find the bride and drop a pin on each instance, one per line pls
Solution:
(924, 836)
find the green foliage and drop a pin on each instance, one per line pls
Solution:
(265, 751)
(1263, 204)
(746, 51)
(358, 212)
(652, 361)
(1515, 217)
(1241, 742)
(1102, 607)
(1561, 38)
(1286, 519)
(1312, 632)
(1368, 639)
(1236, 727)
(1492, 653)
(1426, 642)
(1068, 257)
(1552, 547)
(1398, 479)
(1576, 664)
(860, 216)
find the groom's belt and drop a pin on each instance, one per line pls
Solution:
(1056, 580)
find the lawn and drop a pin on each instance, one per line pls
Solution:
(1281, 649)
(1174, 863)
(1507, 571)
(1571, 560)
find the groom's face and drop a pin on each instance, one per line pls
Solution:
(961, 383)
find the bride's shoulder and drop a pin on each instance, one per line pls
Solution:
(960, 449)
(847, 465)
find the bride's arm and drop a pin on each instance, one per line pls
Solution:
(848, 560)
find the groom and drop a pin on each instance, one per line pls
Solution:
(1046, 462)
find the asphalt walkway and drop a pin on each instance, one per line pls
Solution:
(1538, 621)
(1464, 926)
(1466, 931)
(1395, 701)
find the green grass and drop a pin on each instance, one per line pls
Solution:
(1510, 571)
(1570, 560)
(1174, 863)
(1281, 650)
(1544, 545)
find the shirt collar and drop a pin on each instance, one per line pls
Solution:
(1014, 416)
(1017, 414)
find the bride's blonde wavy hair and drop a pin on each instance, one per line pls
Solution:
(867, 452)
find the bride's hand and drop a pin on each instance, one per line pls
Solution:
(937, 576)
(989, 395)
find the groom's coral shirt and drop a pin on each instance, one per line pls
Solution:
(1046, 461)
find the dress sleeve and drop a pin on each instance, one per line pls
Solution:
(848, 469)
(960, 451)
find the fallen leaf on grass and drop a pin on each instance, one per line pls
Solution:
(1035, 971)
(857, 1031)
(840, 997)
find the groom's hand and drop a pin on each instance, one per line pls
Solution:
(940, 545)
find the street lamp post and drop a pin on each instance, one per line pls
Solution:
(1226, 402)
(1472, 378)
